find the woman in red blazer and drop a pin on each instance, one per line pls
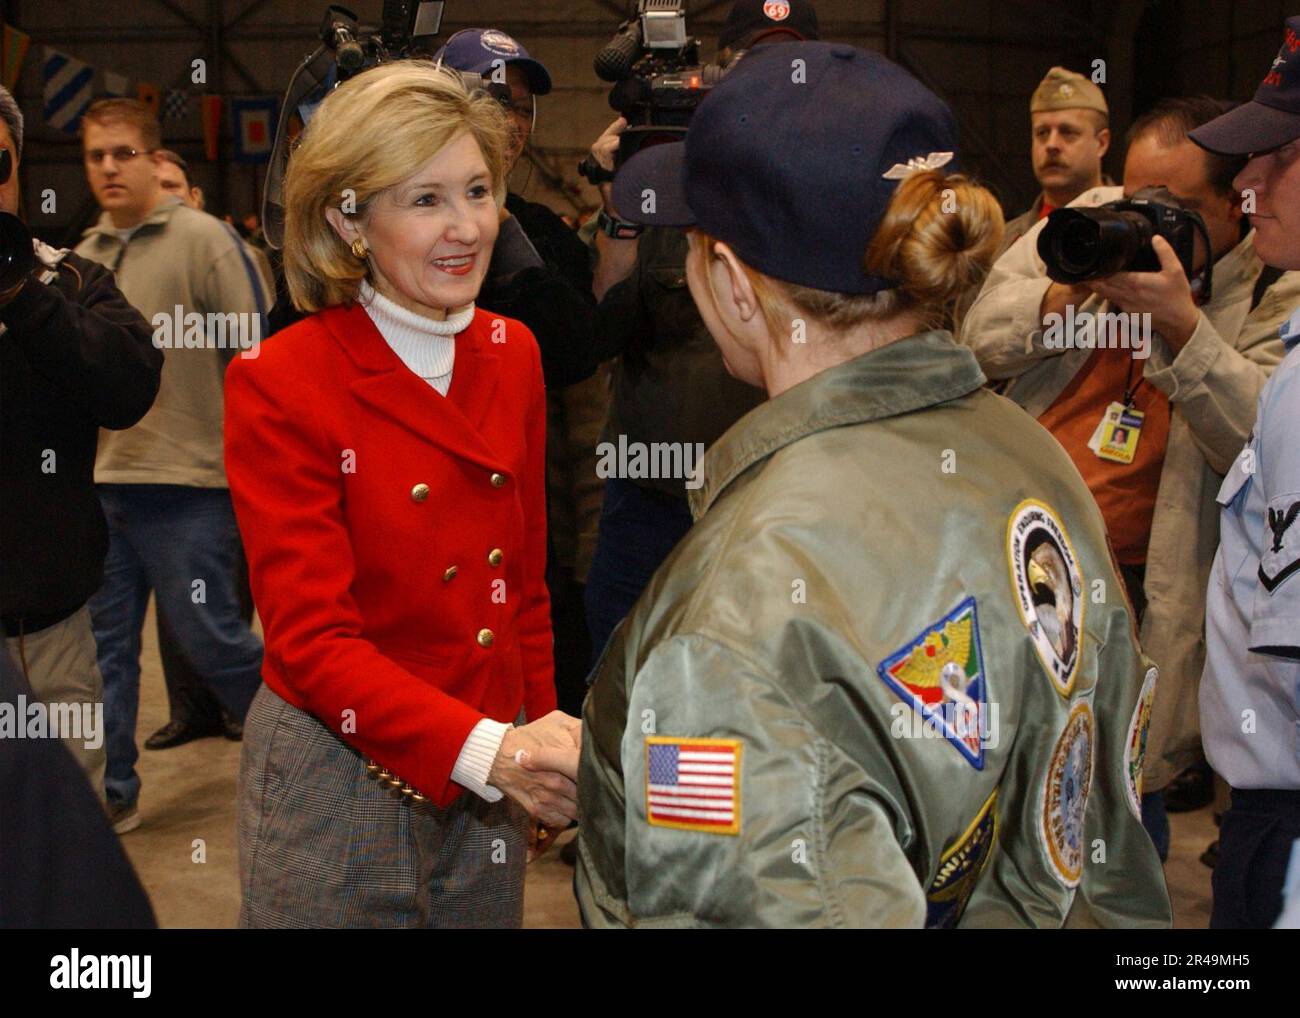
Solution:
(386, 458)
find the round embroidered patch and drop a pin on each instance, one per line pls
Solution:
(499, 42)
(1135, 749)
(777, 10)
(1065, 796)
(1048, 588)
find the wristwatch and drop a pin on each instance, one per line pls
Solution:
(619, 229)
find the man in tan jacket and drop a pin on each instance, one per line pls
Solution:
(1193, 401)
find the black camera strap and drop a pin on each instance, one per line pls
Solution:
(1130, 390)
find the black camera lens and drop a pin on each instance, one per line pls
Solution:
(1083, 244)
(16, 256)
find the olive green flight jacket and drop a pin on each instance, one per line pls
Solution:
(889, 678)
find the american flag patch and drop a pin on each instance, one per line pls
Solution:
(693, 784)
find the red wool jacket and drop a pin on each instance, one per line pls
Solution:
(396, 538)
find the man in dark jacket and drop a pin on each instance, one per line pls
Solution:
(74, 357)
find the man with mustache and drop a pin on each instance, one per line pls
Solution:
(1071, 133)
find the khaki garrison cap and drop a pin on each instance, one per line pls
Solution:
(1063, 89)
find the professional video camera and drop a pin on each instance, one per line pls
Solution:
(408, 29)
(1079, 244)
(659, 80)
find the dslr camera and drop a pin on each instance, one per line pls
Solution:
(1082, 244)
(658, 80)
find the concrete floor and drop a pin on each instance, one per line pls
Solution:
(185, 849)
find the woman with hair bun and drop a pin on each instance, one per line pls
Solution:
(835, 704)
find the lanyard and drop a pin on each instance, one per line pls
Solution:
(1130, 390)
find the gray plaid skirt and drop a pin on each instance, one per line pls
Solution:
(323, 845)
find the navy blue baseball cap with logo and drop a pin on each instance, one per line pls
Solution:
(1272, 117)
(477, 50)
(792, 160)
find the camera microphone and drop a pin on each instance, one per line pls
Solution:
(614, 62)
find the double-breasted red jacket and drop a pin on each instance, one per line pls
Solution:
(396, 538)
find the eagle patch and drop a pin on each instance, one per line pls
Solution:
(1281, 556)
(1048, 588)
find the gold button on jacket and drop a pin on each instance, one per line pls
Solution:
(485, 638)
(495, 556)
(498, 480)
(419, 493)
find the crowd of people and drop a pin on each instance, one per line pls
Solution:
(949, 617)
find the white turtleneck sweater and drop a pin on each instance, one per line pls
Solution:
(428, 347)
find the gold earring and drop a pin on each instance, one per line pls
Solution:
(359, 249)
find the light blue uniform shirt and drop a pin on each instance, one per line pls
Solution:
(1250, 690)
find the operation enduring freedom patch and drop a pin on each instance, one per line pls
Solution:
(1065, 796)
(693, 784)
(941, 674)
(1048, 587)
(960, 867)
(1135, 748)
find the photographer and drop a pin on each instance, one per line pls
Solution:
(669, 384)
(74, 357)
(1193, 399)
(1253, 617)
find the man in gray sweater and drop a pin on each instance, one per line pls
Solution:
(162, 483)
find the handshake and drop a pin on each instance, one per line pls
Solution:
(537, 766)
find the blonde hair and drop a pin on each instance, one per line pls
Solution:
(371, 133)
(937, 239)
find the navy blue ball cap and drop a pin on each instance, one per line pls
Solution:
(1272, 117)
(651, 187)
(792, 160)
(477, 50)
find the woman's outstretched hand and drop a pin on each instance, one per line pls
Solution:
(537, 766)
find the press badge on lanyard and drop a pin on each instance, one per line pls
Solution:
(1116, 437)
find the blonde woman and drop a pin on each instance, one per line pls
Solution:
(834, 705)
(385, 457)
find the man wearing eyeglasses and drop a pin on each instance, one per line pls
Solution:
(162, 483)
